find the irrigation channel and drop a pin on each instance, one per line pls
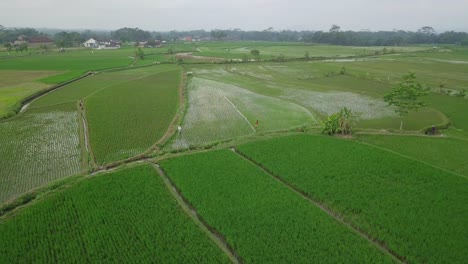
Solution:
(25, 103)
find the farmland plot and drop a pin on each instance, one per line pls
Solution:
(218, 111)
(261, 219)
(128, 118)
(331, 102)
(418, 211)
(126, 216)
(37, 148)
(79, 90)
(305, 84)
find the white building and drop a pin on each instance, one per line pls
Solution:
(91, 43)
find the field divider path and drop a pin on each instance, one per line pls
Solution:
(212, 233)
(240, 113)
(381, 246)
(87, 143)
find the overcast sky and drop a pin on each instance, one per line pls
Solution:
(164, 15)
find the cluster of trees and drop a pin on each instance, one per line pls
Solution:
(131, 34)
(10, 35)
(425, 35)
(335, 36)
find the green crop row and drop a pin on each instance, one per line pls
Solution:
(126, 216)
(418, 211)
(38, 147)
(261, 219)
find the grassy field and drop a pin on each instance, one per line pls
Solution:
(271, 50)
(455, 108)
(447, 153)
(23, 76)
(262, 220)
(38, 147)
(127, 216)
(403, 203)
(17, 85)
(71, 60)
(128, 118)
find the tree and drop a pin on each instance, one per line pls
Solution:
(406, 96)
(218, 34)
(427, 30)
(22, 47)
(335, 28)
(306, 55)
(44, 48)
(339, 122)
(130, 34)
(139, 53)
(8, 46)
(255, 53)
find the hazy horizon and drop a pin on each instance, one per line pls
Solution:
(247, 15)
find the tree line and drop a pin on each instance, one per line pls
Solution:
(334, 36)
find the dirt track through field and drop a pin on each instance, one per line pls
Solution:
(212, 233)
(382, 247)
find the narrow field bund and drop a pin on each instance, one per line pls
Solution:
(385, 195)
(259, 217)
(127, 215)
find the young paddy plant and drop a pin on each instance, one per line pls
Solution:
(125, 216)
(418, 211)
(262, 220)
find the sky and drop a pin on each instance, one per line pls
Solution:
(165, 15)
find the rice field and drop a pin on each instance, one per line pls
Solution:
(37, 148)
(279, 194)
(128, 216)
(262, 220)
(220, 111)
(126, 119)
(417, 210)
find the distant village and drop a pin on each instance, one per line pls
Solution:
(96, 43)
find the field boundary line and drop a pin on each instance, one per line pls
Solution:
(106, 87)
(86, 135)
(178, 117)
(26, 102)
(338, 217)
(240, 113)
(185, 205)
(413, 159)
